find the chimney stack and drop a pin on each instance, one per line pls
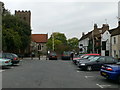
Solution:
(83, 33)
(95, 26)
(118, 23)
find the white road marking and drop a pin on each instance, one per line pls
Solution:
(2, 71)
(103, 86)
(78, 71)
(88, 76)
(11, 67)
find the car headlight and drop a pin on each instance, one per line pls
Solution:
(82, 64)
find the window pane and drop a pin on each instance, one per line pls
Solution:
(102, 59)
(109, 59)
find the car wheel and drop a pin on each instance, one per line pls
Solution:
(89, 68)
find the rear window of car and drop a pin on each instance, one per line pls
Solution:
(66, 53)
(53, 54)
(14, 55)
(8, 56)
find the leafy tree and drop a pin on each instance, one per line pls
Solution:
(59, 40)
(59, 36)
(61, 43)
(11, 40)
(73, 43)
(16, 34)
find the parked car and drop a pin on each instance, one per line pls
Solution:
(66, 55)
(53, 55)
(5, 62)
(87, 57)
(14, 58)
(78, 57)
(96, 62)
(20, 56)
(84, 56)
(111, 71)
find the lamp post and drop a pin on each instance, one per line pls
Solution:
(93, 41)
(101, 39)
(53, 45)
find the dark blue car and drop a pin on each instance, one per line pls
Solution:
(111, 71)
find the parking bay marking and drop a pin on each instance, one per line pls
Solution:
(103, 86)
(88, 76)
(11, 67)
(2, 70)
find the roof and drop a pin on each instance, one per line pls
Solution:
(39, 38)
(116, 31)
(85, 36)
(112, 30)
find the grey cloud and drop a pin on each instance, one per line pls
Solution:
(71, 18)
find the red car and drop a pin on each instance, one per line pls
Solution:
(52, 56)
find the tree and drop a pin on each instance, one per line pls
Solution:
(73, 43)
(59, 36)
(16, 32)
(11, 40)
(59, 40)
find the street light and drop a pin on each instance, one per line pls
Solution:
(101, 39)
(93, 41)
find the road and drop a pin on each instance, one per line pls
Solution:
(52, 74)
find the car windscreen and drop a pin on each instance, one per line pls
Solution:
(86, 56)
(118, 63)
(95, 58)
(91, 57)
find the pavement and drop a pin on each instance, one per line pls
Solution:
(52, 74)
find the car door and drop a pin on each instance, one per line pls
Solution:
(98, 63)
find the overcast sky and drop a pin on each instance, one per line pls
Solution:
(71, 17)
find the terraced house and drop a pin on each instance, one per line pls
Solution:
(91, 42)
(115, 37)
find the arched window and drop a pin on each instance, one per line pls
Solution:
(39, 47)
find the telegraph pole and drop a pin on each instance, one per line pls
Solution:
(93, 41)
(53, 45)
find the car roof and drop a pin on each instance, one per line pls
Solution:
(92, 54)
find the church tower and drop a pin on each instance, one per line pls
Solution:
(24, 15)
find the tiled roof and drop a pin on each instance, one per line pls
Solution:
(86, 36)
(112, 30)
(39, 38)
(116, 31)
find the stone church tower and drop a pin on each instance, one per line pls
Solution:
(24, 15)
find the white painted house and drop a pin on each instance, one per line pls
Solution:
(106, 43)
(116, 42)
(84, 42)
